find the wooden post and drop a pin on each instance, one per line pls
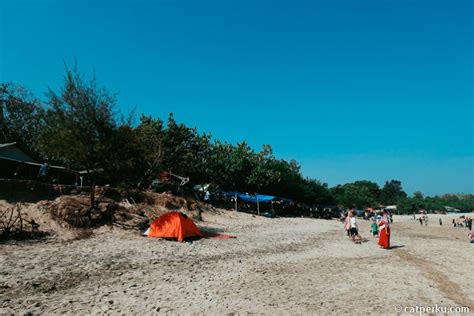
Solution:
(258, 205)
(92, 193)
(236, 202)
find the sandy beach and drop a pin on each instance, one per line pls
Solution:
(212, 157)
(281, 265)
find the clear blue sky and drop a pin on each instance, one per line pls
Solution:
(368, 89)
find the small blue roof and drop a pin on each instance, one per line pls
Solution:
(254, 198)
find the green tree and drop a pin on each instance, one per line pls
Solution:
(408, 205)
(391, 192)
(338, 194)
(313, 192)
(185, 152)
(290, 179)
(80, 126)
(360, 194)
(150, 134)
(126, 164)
(232, 166)
(288, 182)
(373, 189)
(21, 117)
(262, 173)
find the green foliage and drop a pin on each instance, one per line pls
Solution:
(289, 182)
(409, 205)
(125, 164)
(231, 165)
(79, 129)
(392, 192)
(21, 118)
(359, 194)
(262, 173)
(185, 152)
(463, 202)
(80, 123)
(316, 193)
(150, 135)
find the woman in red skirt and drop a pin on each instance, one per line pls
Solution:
(384, 229)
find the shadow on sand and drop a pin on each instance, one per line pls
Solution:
(396, 247)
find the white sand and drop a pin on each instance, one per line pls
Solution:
(274, 266)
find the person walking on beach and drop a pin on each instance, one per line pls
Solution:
(374, 228)
(440, 222)
(384, 231)
(426, 219)
(420, 220)
(354, 229)
(347, 225)
(468, 222)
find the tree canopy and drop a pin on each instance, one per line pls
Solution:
(79, 127)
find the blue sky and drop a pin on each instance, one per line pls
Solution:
(367, 89)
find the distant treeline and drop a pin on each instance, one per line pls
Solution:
(79, 127)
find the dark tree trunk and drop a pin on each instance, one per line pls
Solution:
(92, 193)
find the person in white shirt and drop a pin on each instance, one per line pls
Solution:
(354, 229)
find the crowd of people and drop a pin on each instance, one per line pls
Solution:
(466, 222)
(423, 219)
(462, 221)
(380, 227)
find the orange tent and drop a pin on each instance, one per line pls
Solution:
(173, 225)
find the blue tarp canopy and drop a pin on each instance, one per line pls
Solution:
(254, 198)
